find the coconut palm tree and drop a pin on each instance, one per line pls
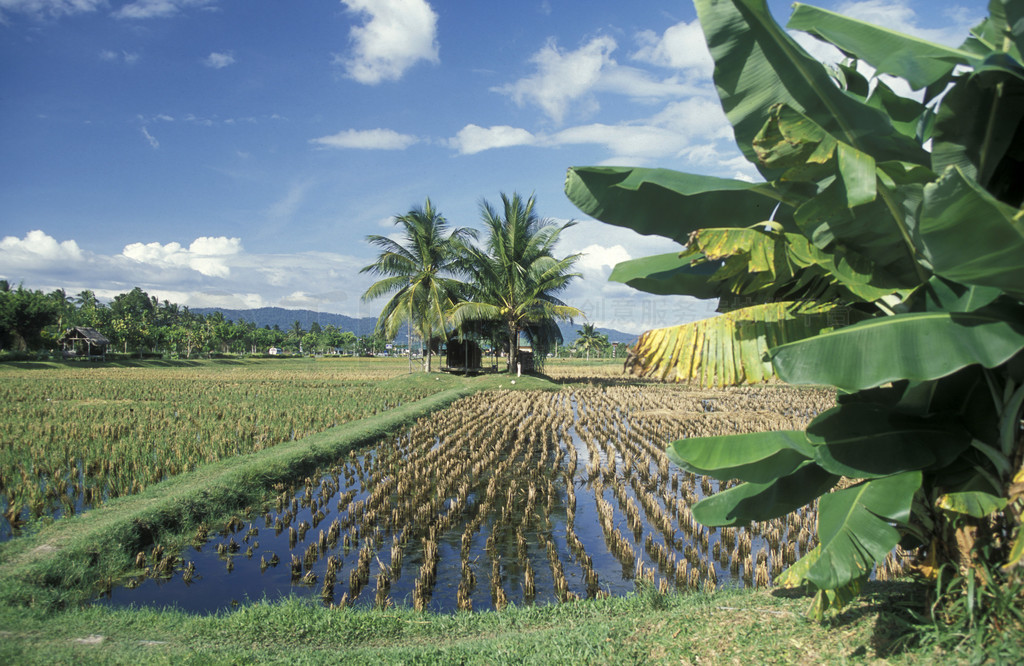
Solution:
(515, 276)
(418, 274)
(588, 338)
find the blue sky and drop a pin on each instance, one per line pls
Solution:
(236, 153)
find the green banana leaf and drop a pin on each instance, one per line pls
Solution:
(970, 237)
(749, 502)
(731, 348)
(863, 440)
(667, 274)
(913, 346)
(854, 527)
(757, 65)
(672, 204)
(921, 63)
(756, 457)
(824, 600)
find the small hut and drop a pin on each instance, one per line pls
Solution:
(82, 341)
(463, 356)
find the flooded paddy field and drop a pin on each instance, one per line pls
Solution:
(75, 436)
(505, 497)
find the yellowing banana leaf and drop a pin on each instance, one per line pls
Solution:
(731, 348)
(971, 503)
(767, 264)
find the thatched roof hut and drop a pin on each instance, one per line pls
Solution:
(84, 341)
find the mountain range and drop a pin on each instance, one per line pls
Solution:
(284, 318)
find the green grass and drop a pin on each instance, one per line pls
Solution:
(729, 626)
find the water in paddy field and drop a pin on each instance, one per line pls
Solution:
(507, 497)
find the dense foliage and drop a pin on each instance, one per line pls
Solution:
(135, 322)
(898, 216)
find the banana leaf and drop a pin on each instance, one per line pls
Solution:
(749, 502)
(667, 274)
(912, 346)
(854, 527)
(756, 457)
(970, 237)
(730, 348)
(757, 65)
(672, 204)
(920, 62)
(863, 440)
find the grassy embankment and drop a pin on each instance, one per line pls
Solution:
(47, 576)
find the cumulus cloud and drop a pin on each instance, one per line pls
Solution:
(615, 305)
(211, 271)
(694, 129)
(37, 247)
(206, 255)
(48, 8)
(375, 139)
(681, 46)
(395, 36)
(146, 9)
(562, 77)
(474, 139)
(219, 60)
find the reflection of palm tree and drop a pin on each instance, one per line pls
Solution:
(515, 276)
(417, 273)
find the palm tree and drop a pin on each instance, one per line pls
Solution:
(588, 338)
(418, 274)
(515, 276)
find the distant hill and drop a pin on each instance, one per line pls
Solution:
(284, 319)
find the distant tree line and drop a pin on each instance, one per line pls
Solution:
(135, 322)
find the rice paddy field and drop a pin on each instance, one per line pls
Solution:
(506, 497)
(75, 435)
(205, 527)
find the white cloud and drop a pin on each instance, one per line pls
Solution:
(206, 255)
(219, 60)
(37, 246)
(114, 56)
(50, 8)
(681, 46)
(396, 35)
(150, 138)
(375, 139)
(145, 9)
(474, 139)
(612, 304)
(211, 271)
(562, 77)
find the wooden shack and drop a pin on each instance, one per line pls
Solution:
(84, 342)
(463, 356)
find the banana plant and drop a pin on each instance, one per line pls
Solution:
(882, 255)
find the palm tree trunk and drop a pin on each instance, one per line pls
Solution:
(513, 348)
